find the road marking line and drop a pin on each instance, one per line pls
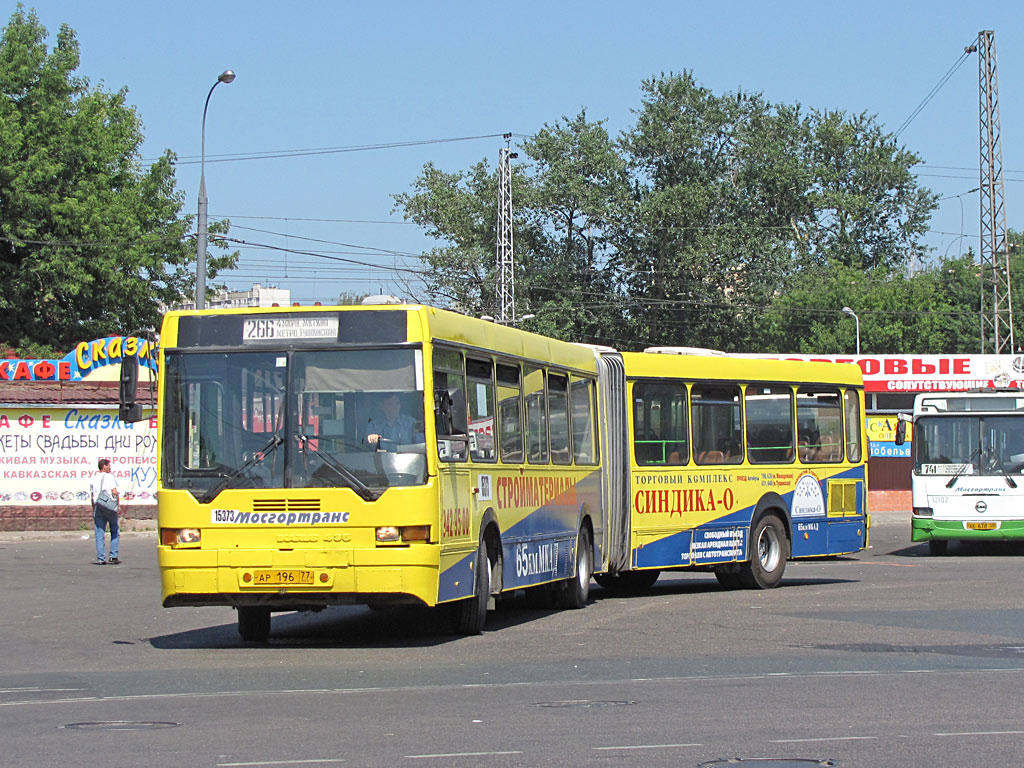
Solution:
(648, 746)
(314, 760)
(825, 738)
(981, 733)
(463, 754)
(1002, 671)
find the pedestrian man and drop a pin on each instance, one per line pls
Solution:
(105, 496)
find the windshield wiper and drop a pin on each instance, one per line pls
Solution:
(365, 492)
(997, 464)
(256, 457)
(964, 466)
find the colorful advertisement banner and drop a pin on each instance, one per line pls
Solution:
(87, 357)
(928, 373)
(48, 456)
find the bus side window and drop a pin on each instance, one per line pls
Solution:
(853, 423)
(717, 435)
(558, 421)
(584, 441)
(536, 415)
(769, 411)
(510, 423)
(481, 409)
(448, 375)
(820, 422)
(659, 423)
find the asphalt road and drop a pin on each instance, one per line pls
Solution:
(888, 658)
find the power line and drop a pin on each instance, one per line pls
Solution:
(931, 94)
(275, 154)
(301, 218)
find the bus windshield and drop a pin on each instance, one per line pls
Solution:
(969, 445)
(310, 418)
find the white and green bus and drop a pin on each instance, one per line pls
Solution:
(968, 472)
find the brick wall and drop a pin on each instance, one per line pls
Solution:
(63, 518)
(889, 501)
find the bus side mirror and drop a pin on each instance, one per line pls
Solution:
(901, 428)
(129, 411)
(450, 412)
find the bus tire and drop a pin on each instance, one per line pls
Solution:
(938, 547)
(577, 589)
(769, 550)
(728, 579)
(628, 582)
(471, 613)
(253, 623)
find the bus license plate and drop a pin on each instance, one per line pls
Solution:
(981, 526)
(282, 577)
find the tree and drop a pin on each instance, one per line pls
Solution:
(715, 220)
(90, 242)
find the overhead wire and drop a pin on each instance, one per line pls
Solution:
(935, 89)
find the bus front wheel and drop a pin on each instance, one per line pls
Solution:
(769, 550)
(471, 613)
(938, 547)
(253, 623)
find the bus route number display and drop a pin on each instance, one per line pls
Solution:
(261, 330)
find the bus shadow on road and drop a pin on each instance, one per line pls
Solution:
(349, 627)
(965, 549)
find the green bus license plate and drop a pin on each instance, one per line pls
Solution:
(282, 577)
(981, 526)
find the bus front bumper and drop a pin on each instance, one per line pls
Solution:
(927, 529)
(299, 579)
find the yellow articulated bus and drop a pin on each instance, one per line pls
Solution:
(401, 454)
(372, 455)
(732, 465)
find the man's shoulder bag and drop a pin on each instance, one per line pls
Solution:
(105, 502)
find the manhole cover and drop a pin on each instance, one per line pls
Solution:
(120, 725)
(583, 703)
(769, 762)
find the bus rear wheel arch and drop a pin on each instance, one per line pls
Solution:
(769, 551)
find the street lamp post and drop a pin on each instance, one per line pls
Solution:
(851, 313)
(225, 77)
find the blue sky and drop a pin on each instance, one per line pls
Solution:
(343, 74)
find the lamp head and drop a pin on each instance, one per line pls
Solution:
(226, 76)
(848, 311)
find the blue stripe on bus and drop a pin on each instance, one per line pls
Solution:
(457, 581)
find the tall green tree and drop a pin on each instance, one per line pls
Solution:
(90, 241)
(715, 220)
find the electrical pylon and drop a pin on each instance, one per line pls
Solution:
(996, 301)
(505, 255)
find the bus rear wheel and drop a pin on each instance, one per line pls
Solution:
(253, 623)
(938, 547)
(728, 579)
(471, 613)
(577, 589)
(769, 550)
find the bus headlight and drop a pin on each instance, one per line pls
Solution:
(922, 511)
(180, 537)
(390, 533)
